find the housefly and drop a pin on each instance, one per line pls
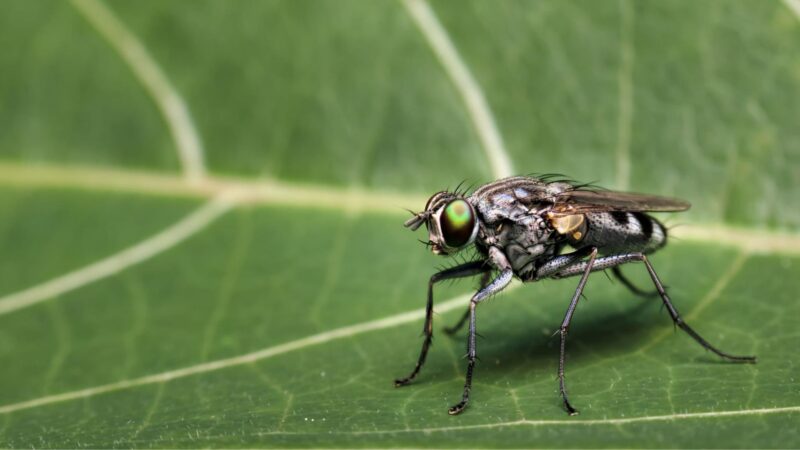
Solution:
(521, 227)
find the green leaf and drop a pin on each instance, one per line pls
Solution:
(201, 212)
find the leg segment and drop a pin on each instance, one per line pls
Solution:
(565, 328)
(464, 270)
(497, 285)
(559, 263)
(608, 262)
(458, 325)
(602, 263)
(632, 287)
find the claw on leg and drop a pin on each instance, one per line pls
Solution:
(570, 410)
(400, 382)
(457, 409)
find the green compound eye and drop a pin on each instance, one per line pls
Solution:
(457, 223)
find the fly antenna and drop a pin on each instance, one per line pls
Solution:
(416, 221)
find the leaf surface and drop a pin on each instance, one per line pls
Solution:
(141, 309)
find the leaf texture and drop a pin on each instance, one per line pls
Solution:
(267, 295)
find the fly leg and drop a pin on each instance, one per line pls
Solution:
(632, 287)
(464, 270)
(565, 328)
(557, 264)
(497, 285)
(458, 325)
(608, 262)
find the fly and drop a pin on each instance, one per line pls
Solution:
(521, 226)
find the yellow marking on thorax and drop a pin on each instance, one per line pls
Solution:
(572, 224)
(566, 224)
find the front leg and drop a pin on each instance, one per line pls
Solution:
(497, 285)
(464, 270)
(485, 279)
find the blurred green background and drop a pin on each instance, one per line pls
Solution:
(201, 206)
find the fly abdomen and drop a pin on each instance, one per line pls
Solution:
(622, 232)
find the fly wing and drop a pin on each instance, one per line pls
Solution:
(584, 201)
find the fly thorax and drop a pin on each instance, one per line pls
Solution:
(523, 241)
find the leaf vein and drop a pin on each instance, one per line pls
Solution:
(147, 71)
(625, 86)
(558, 422)
(474, 99)
(166, 239)
(248, 358)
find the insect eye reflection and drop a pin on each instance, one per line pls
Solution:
(457, 223)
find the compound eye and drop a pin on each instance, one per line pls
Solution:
(457, 223)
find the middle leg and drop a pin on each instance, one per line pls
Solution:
(565, 328)
(549, 268)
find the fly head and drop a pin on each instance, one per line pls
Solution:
(451, 221)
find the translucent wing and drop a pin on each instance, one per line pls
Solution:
(583, 201)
